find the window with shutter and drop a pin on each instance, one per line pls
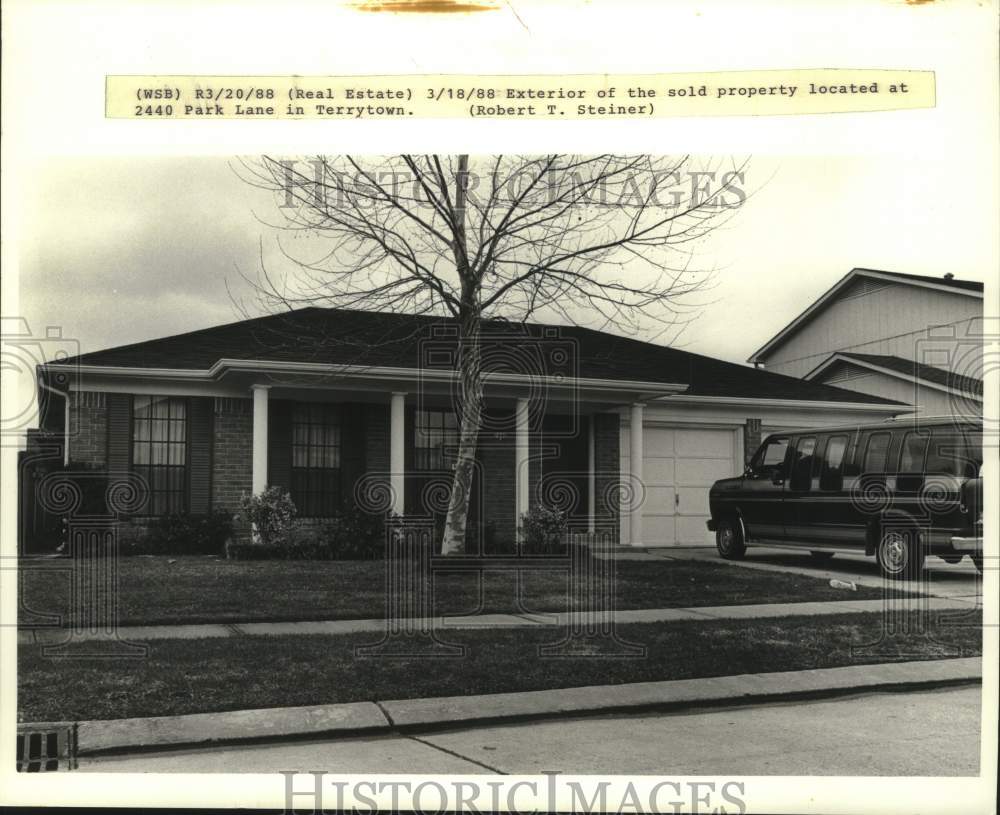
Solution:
(159, 451)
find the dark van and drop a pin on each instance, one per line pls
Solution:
(899, 490)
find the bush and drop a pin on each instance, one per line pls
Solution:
(299, 543)
(543, 531)
(178, 534)
(358, 535)
(271, 514)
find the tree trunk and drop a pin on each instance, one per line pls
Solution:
(470, 410)
(470, 381)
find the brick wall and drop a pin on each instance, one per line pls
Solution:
(496, 463)
(607, 440)
(88, 442)
(232, 452)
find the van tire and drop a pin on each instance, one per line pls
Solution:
(899, 553)
(729, 539)
(820, 556)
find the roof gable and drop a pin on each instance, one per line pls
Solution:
(863, 281)
(844, 364)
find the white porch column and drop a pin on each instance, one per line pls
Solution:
(635, 474)
(259, 477)
(591, 476)
(397, 451)
(521, 466)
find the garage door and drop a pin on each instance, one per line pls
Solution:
(679, 466)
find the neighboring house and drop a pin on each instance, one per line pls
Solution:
(355, 408)
(906, 337)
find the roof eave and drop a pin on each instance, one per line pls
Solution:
(875, 368)
(219, 369)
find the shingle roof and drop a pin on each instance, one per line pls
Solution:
(337, 336)
(965, 285)
(928, 373)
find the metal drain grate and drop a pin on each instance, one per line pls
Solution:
(46, 748)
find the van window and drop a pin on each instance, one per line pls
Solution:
(832, 473)
(950, 454)
(912, 452)
(770, 456)
(877, 452)
(802, 467)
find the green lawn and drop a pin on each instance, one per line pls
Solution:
(161, 590)
(252, 672)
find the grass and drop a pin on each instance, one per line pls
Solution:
(161, 590)
(205, 675)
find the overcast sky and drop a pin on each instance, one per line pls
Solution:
(120, 250)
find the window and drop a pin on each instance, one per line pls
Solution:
(832, 470)
(316, 459)
(911, 455)
(159, 451)
(801, 479)
(877, 452)
(435, 432)
(769, 457)
(950, 454)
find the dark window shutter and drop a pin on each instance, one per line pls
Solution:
(119, 432)
(200, 428)
(279, 444)
(120, 438)
(352, 450)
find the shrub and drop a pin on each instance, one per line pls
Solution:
(358, 535)
(543, 531)
(271, 514)
(178, 534)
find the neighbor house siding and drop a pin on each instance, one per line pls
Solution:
(232, 452)
(929, 401)
(870, 317)
(88, 444)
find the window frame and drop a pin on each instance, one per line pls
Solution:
(426, 456)
(182, 501)
(316, 488)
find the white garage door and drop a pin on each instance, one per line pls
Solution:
(679, 466)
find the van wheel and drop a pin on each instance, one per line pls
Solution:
(729, 540)
(821, 557)
(978, 560)
(953, 559)
(899, 554)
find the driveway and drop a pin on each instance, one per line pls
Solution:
(959, 581)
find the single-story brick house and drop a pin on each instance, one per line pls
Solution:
(344, 407)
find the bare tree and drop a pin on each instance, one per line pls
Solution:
(606, 237)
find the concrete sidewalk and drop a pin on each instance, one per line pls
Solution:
(52, 636)
(205, 729)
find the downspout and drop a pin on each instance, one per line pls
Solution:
(66, 404)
